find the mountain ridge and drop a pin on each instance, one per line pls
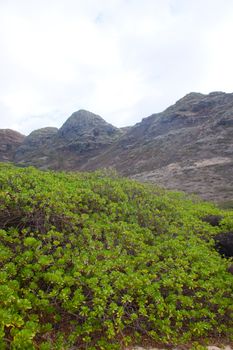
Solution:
(187, 147)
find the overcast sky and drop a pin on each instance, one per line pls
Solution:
(121, 59)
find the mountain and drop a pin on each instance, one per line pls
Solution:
(188, 146)
(83, 136)
(10, 140)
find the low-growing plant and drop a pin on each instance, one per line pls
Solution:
(96, 261)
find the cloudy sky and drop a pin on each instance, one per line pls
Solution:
(121, 59)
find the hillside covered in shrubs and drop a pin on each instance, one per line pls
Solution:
(95, 261)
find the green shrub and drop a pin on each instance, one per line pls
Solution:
(96, 261)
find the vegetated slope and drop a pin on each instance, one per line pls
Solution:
(94, 261)
(82, 136)
(10, 140)
(188, 147)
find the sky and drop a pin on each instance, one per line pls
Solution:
(121, 59)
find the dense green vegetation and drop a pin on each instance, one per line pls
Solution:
(95, 261)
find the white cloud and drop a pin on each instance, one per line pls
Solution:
(123, 59)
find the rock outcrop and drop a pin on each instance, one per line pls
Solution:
(36, 148)
(224, 244)
(10, 140)
(83, 126)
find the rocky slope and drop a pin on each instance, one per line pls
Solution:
(10, 140)
(188, 147)
(83, 136)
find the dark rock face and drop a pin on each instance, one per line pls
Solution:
(10, 140)
(36, 147)
(37, 139)
(85, 131)
(187, 147)
(224, 244)
(86, 125)
(213, 220)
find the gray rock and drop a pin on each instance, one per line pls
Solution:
(10, 140)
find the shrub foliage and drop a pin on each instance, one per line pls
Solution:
(94, 261)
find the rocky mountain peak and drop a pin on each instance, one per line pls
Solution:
(198, 103)
(188, 99)
(83, 123)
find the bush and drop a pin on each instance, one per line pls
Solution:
(97, 261)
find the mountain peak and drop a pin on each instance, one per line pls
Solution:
(82, 123)
(202, 104)
(190, 98)
(83, 116)
(217, 93)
